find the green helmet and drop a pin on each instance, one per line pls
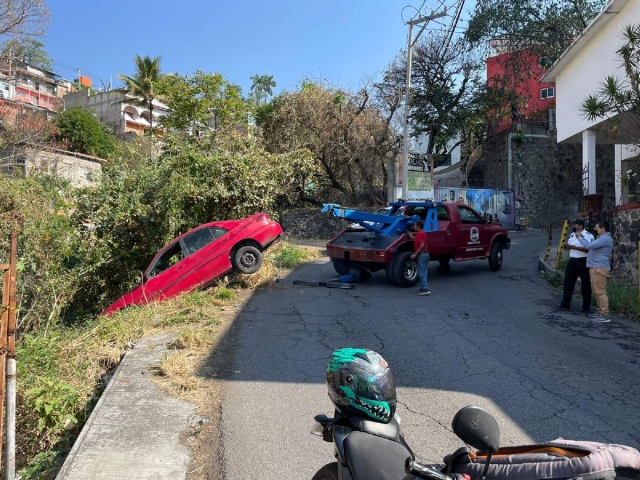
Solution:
(361, 383)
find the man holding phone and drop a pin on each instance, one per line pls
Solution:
(577, 268)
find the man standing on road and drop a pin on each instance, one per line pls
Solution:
(599, 263)
(577, 267)
(421, 252)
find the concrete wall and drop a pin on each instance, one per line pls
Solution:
(626, 224)
(106, 105)
(79, 170)
(584, 74)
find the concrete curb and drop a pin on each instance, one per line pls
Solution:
(134, 430)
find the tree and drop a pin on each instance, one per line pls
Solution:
(80, 131)
(448, 96)
(144, 82)
(24, 18)
(203, 102)
(262, 87)
(544, 27)
(28, 50)
(349, 135)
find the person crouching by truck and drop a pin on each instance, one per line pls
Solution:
(421, 253)
(577, 268)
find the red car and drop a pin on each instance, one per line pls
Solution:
(201, 255)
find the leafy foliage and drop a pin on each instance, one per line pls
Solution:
(619, 96)
(349, 135)
(201, 103)
(144, 81)
(262, 87)
(544, 27)
(28, 50)
(80, 131)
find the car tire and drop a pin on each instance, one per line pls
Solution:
(341, 266)
(328, 472)
(247, 259)
(405, 270)
(495, 258)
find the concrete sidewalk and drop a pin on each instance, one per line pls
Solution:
(134, 431)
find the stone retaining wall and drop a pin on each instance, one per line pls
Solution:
(626, 224)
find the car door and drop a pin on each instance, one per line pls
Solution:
(209, 250)
(168, 270)
(470, 241)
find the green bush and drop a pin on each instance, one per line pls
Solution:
(79, 130)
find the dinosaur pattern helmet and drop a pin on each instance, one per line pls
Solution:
(361, 383)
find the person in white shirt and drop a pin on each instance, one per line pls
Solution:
(577, 267)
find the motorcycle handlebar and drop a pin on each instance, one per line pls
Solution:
(427, 473)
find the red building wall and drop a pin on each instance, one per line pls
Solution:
(527, 86)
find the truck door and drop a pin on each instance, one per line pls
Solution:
(470, 240)
(442, 241)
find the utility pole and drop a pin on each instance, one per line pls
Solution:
(407, 99)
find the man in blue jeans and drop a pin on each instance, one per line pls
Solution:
(421, 252)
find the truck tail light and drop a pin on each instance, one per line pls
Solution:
(379, 254)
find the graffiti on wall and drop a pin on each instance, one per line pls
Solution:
(499, 203)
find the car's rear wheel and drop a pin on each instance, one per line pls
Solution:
(405, 270)
(247, 259)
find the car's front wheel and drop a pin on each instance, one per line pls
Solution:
(247, 259)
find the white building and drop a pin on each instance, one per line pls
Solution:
(578, 73)
(119, 110)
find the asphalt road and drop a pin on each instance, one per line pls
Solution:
(484, 338)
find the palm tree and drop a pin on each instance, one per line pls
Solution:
(262, 86)
(143, 82)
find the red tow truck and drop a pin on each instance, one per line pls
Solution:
(376, 242)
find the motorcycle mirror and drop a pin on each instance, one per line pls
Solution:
(476, 427)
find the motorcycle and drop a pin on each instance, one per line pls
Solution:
(368, 450)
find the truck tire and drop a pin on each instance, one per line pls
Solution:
(495, 258)
(340, 265)
(389, 272)
(404, 270)
(444, 267)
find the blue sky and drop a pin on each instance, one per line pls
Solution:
(343, 41)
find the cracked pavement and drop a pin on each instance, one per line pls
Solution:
(490, 339)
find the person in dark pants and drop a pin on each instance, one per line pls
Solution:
(577, 268)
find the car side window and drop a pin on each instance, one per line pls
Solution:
(168, 259)
(467, 215)
(197, 240)
(443, 214)
(217, 232)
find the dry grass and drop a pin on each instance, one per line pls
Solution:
(82, 357)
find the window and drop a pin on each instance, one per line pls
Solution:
(443, 214)
(467, 215)
(168, 259)
(201, 238)
(547, 92)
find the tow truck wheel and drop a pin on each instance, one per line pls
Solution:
(495, 259)
(405, 270)
(341, 266)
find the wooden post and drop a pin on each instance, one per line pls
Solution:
(10, 447)
(4, 319)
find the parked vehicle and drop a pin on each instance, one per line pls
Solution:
(454, 232)
(368, 445)
(198, 257)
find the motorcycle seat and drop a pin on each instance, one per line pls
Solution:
(371, 457)
(390, 431)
